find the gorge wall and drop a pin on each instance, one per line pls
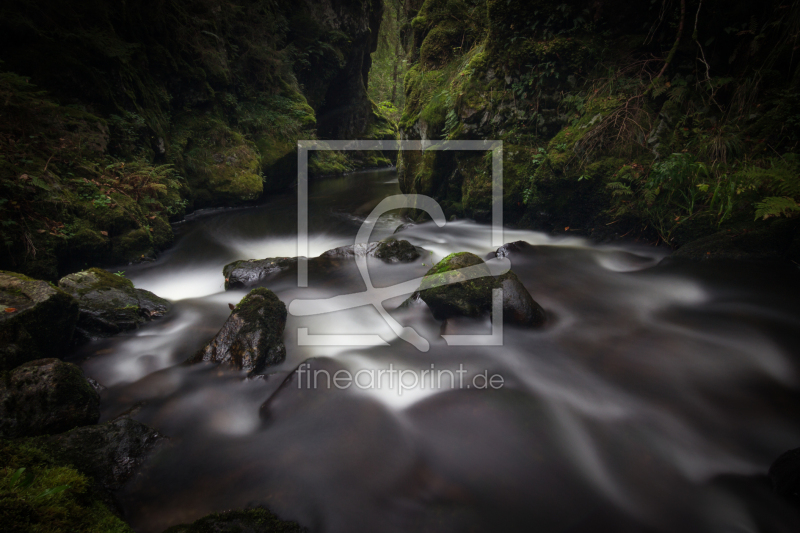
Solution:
(117, 118)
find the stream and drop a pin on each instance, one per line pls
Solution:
(653, 394)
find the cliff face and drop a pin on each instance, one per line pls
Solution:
(98, 97)
(667, 120)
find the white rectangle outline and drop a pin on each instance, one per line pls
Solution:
(303, 147)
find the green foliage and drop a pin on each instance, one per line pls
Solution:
(39, 495)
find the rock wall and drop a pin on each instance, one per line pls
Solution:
(97, 97)
(592, 98)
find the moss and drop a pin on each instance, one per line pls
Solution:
(133, 246)
(103, 280)
(439, 45)
(258, 303)
(259, 519)
(24, 508)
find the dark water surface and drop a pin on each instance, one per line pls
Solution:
(653, 394)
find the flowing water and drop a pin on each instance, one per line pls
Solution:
(647, 403)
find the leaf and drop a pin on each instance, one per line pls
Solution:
(11, 310)
(40, 183)
(104, 233)
(54, 490)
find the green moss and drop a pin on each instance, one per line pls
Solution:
(25, 507)
(258, 519)
(440, 44)
(258, 303)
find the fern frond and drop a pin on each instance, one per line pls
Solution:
(776, 206)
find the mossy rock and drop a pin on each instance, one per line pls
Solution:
(450, 292)
(46, 396)
(110, 453)
(133, 246)
(39, 321)
(258, 520)
(252, 337)
(110, 304)
(762, 240)
(23, 508)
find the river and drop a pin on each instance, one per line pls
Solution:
(653, 394)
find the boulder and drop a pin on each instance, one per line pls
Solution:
(248, 273)
(388, 250)
(509, 249)
(252, 337)
(448, 292)
(46, 396)
(110, 304)
(257, 520)
(785, 476)
(37, 320)
(110, 452)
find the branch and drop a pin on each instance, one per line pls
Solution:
(671, 55)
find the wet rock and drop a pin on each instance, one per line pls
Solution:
(389, 250)
(258, 520)
(46, 396)
(508, 249)
(785, 476)
(252, 337)
(449, 293)
(110, 304)
(756, 241)
(37, 320)
(252, 272)
(110, 452)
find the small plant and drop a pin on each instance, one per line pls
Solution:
(24, 478)
(120, 273)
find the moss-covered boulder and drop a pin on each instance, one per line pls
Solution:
(46, 396)
(258, 520)
(252, 337)
(36, 320)
(110, 304)
(34, 497)
(110, 453)
(449, 292)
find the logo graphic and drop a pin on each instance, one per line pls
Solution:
(376, 296)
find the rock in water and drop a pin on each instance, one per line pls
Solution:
(109, 452)
(110, 304)
(785, 476)
(252, 337)
(448, 293)
(46, 396)
(251, 272)
(258, 520)
(36, 320)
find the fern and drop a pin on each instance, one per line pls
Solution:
(619, 189)
(776, 206)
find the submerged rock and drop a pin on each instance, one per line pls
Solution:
(110, 304)
(250, 272)
(252, 337)
(46, 396)
(449, 293)
(509, 249)
(258, 520)
(785, 476)
(36, 320)
(110, 452)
